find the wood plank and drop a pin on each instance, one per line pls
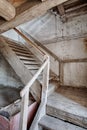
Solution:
(17, 3)
(24, 54)
(29, 11)
(51, 123)
(7, 13)
(24, 112)
(33, 67)
(22, 51)
(62, 12)
(16, 44)
(18, 48)
(76, 7)
(66, 109)
(20, 69)
(23, 58)
(31, 63)
(83, 10)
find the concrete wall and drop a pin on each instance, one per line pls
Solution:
(75, 74)
(7, 75)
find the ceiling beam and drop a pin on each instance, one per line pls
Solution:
(17, 3)
(29, 11)
(7, 11)
(62, 12)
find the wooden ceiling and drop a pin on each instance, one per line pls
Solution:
(71, 9)
(16, 12)
(25, 10)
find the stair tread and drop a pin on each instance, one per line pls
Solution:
(27, 58)
(51, 123)
(64, 108)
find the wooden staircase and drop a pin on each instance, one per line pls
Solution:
(25, 64)
(62, 112)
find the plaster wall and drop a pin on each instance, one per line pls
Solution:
(7, 75)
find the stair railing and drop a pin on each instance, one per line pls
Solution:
(50, 53)
(25, 91)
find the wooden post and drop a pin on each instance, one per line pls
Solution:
(24, 112)
(45, 85)
(61, 67)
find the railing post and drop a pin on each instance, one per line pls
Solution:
(45, 85)
(61, 71)
(24, 112)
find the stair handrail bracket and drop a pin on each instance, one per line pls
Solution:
(44, 68)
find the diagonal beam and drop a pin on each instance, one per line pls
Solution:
(28, 11)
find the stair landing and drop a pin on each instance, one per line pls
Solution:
(51, 123)
(62, 106)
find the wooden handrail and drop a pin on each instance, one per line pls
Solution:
(41, 46)
(51, 53)
(42, 52)
(27, 87)
(25, 91)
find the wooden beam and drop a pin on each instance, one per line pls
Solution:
(77, 12)
(62, 12)
(7, 11)
(17, 3)
(76, 8)
(29, 11)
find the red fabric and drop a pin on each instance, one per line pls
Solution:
(14, 122)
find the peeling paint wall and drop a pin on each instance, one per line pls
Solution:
(7, 75)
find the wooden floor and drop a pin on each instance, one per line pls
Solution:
(79, 95)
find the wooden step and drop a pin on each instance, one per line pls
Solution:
(18, 48)
(22, 51)
(51, 123)
(16, 44)
(31, 63)
(24, 58)
(32, 67)
(24, 54)
(66, 109)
